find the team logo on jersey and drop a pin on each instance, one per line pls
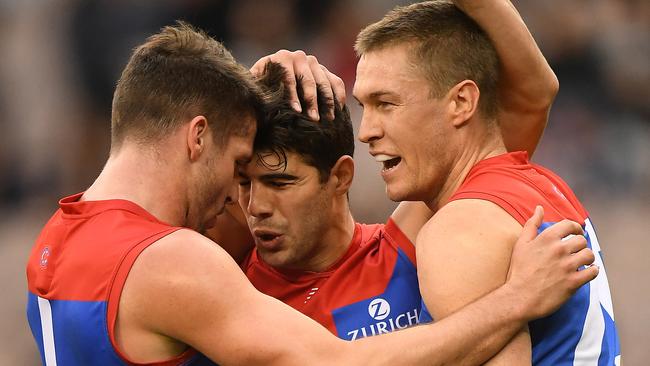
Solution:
(45, 255)
(379, 309)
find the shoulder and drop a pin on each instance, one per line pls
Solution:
(473, 222)
(183, 265)
(183, 251)
(513, 188)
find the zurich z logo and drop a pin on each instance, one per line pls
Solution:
(379, 309)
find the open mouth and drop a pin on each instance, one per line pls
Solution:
(389, 162)
(267, 237)
(268, 240)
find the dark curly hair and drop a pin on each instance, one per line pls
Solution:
(320, 144)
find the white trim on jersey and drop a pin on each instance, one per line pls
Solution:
(588, 348)
(600, 281)
(48, 331)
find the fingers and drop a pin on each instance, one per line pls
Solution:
(286, 59)
(529, 232)
(586, 275)
(585, 257)
(324, 87)
(310, 74)
(563, 229)
(258, 67)
(304, 74)
(338, 87)
(575, 243)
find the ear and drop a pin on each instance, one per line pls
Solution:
(463, 98)
(198, 134)
(342, 174)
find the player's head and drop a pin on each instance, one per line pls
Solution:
(421, 71)
(298, 180)
(183, 96)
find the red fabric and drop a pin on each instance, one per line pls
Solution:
(85, 253)
(363, 272)
(517, 186)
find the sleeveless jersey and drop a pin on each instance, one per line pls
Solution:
(372, 289)
(582, 331)
(75, 274)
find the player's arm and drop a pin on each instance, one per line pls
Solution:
(410, 217)
(231, 232)
(528, 85)
(188, 289)
(460, 260)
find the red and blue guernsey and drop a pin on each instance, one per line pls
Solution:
(372, 289)
(582, 331)
(75, 275)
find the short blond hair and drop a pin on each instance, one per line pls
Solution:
(449, 47)
(176, 74)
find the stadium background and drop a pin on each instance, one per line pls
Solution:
(60, 60)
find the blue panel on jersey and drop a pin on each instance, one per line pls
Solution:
(554, 338)
(396, 308)
(610, 341)
(80, 333)
(34, 319)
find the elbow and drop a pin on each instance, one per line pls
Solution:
(552, 87)
(548, 89)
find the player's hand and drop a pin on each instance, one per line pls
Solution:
(305, 69)
(546, 269)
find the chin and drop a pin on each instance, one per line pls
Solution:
(397, 194)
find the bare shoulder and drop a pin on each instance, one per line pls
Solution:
(464, 252)
(469, 219)
(183, 272)
(184, 264)
(183, 250)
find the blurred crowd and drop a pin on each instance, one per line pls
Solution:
(61, 59)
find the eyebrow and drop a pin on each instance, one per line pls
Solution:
(278, 176)
(376, 95)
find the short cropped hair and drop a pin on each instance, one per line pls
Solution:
(175, 75)
(449, 47)
(319, 144)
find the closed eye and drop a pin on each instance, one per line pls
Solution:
(277, 184)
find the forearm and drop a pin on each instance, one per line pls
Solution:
(518, 352)
(470, 336)
(526, 76)
(527, 85)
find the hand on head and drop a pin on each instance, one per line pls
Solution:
(312, 76)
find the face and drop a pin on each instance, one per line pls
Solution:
(217, 182)
(406, 129)
(287, 210)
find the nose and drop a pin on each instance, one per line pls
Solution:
(370, 129)
(259, 202)
(233, 193)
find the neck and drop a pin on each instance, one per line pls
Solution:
(477, 146)
(142, 175)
